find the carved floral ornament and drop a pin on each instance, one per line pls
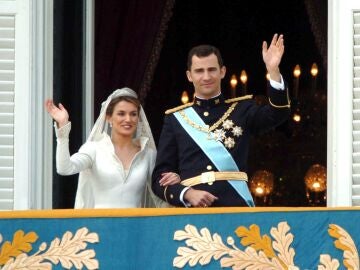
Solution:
(261, 252)
(70, 251)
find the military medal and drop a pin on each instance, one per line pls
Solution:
(215, 133)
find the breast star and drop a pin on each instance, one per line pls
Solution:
(228, 124)
(237, 131)
(229, 142)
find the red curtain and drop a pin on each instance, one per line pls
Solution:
(128, 38)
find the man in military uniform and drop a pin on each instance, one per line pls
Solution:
(207, 142)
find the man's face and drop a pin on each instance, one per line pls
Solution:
(206, 76)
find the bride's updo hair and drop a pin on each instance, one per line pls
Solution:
(116, 100)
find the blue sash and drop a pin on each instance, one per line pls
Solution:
(215, 151)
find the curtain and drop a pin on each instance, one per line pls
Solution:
(318, 21)
(128, 41)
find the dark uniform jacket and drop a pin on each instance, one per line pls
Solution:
(178, 152)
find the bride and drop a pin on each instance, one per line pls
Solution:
(117, 160)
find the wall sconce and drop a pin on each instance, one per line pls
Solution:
(296, 117)
(315, 181)
(233, 81)
(297, 72)
(314, 70)
(315, 178)
(184, 97)
(233, 84)
(262, 184)
(243, 79)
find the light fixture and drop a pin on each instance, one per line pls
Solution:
(297, 71)
(314, 70)
(262, 183)
(243, 76)
(259, 190)
(184, 97)
(315, 178)
(233, 81)
(296, 117)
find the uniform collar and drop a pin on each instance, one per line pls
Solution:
(212, 102)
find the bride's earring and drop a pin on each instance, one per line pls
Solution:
(110, 125)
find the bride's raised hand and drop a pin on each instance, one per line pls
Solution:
(58, 113)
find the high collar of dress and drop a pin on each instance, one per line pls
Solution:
(208, 103)
(142, 141)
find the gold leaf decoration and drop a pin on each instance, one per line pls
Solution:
(345, 243)
(328, 263)
(253, 238)
(70, 252)
(21, 243)
(259, 254)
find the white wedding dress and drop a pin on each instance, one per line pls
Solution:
(108, 185)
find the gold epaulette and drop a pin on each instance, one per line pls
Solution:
(238, 98)
(178, 108)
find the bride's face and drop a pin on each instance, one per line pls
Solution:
(124, 118)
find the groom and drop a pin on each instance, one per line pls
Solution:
(207, 142)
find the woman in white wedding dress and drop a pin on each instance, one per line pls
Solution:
(116, 162)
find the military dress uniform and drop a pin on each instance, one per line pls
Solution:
(231, 122)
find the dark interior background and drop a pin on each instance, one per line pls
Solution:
(68, 87)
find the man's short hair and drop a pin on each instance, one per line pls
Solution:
(203, 51)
